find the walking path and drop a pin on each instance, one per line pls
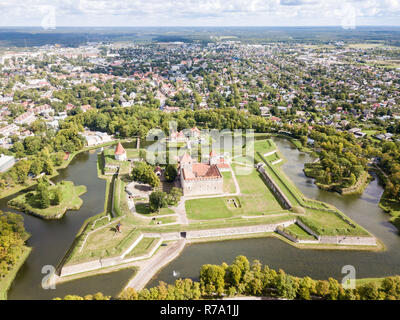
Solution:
(181, 212)
(148, 268)
(132, 208)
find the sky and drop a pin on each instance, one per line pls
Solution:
(110, 13)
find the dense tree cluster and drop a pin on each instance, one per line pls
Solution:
(12, 239)
(390, 163)
(160, 199)
(243, 278)
(143, 172)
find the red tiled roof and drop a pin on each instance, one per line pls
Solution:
(186, 158)
(119, 149)
(213, 153)
(223, 166)
(202, 171)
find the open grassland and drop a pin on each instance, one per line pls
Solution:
(255, 199)
(143, 247)
(229, 185)
(163, 220)
(105, 242)
(144, 209)
(331, 224)
(297, 232)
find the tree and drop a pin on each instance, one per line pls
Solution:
(158, 200)
(334, 289)
(143, 172)
(368, 291)
(129, 294)
(57, 196)
(212, 279)
(243, 264)
(285, 285)
(12, 237)
(43, 195)
(307, 287)
(322, 288)
(170, 172)
(21, 170)
(233, 275)
(174, 196)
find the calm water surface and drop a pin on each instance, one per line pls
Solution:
(51, 239)
(319, 264)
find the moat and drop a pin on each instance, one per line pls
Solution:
(51, 239)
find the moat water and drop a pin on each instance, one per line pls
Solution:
(51, 239)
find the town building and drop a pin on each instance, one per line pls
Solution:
(120, 152)
(200, 178)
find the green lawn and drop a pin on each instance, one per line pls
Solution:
(296, 229)
(208, 208)
(109, 159)
(132, 153)
(298, 232)
(143, 247)
(229, 185)
(144, 209)
(28, 203)
(330, 224)
(105, 242)
(163, 220)
(256, 199)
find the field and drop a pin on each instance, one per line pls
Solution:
(70, 201)
(144, 209)
(163, 220)
(255, 199)
(365, 45)
(330, 224)
(297, 232)
(143, 247)
(104, 242)
(229, 185)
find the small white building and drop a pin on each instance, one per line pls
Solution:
(120, 152)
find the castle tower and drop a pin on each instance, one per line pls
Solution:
(186, 162)
(120, 153)
(213, 158)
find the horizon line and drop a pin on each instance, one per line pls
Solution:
(207, 26)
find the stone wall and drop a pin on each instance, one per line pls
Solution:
(132, 246)
(307, 229)
(274, 187)
(145, 256)
(196, 234)
(81, 267)
(286, 235)
(202, 187)
(349, 240)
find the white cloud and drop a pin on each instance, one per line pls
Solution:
(203, 12)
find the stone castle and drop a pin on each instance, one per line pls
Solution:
(202, 178)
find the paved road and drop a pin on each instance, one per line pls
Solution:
(148, 268)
